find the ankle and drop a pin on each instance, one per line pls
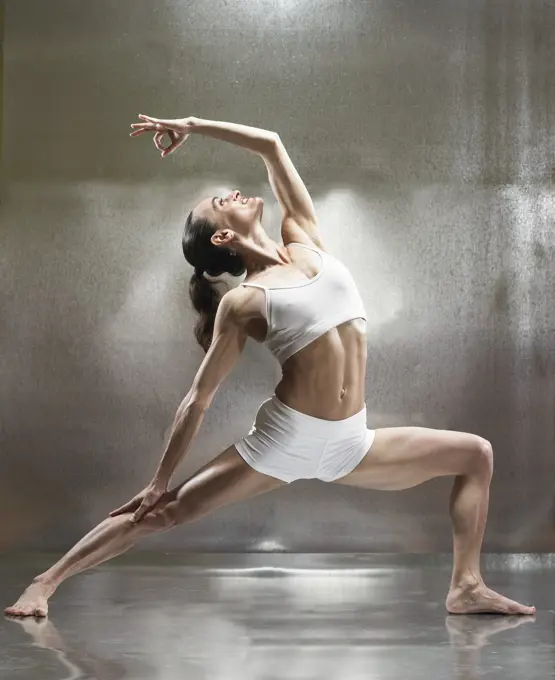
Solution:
(467, 580)
(45, 582)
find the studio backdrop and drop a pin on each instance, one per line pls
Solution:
(424, 131)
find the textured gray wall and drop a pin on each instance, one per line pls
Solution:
(425, 133)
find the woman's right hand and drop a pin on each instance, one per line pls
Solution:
(143, 502)
(177, 129)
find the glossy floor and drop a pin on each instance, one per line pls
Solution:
(309, 617)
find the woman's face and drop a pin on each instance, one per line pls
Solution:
(234, 211)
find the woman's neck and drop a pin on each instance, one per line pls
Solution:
(259, 252)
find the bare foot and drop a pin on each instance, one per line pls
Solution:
(478, 599)
(33, 602)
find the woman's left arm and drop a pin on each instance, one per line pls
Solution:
(299, 222)
(253, 139)
(298, 214)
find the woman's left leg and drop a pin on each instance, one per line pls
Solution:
(404, 457)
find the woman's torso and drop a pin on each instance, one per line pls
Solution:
(326, 378)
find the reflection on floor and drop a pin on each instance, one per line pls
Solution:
(178, 618)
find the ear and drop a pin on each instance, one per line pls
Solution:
(222, 237)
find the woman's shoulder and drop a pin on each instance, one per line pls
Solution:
(241, 303)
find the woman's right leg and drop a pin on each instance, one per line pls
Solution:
(226, 479)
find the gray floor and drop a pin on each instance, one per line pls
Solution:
(304, 617)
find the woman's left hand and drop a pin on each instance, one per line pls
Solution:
(177, 129)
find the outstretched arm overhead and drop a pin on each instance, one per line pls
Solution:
(299, 221)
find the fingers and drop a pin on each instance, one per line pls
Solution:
(136, 133)
(176, 142)
(158, 128)
(158, 137)
(173, 128)
(150, 119)
(169, 123)
(130, 506)
(148, 503)
(172, 145)
(141, 128)
(141, 512)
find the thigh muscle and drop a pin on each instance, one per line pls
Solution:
(226, 479)
(403, 457)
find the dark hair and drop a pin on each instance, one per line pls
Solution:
(204, 256)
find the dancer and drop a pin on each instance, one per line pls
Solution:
(303, 305)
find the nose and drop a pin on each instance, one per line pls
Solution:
(235, 195)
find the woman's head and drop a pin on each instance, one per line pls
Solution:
(212, 230)
(232, 213)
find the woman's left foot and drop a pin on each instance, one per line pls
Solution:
(478, 599)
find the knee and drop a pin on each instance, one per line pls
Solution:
(164, 517)
(482, 455)
(175, 513)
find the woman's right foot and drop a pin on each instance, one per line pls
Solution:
(33, 602)
(478, 599)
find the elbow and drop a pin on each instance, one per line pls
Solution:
(199, 403)
(271, 144)
(193, 406)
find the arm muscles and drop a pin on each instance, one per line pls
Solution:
(299, 217)
(227, 344)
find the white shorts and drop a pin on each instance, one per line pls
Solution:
(289, 445)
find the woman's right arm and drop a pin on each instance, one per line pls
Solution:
(227, 344)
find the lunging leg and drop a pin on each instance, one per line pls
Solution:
(403, 457)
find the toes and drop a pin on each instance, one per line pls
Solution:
(13, 612)
(30, 610)
(517, 608)
(528, 611)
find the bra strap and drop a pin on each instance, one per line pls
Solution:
(254, 285)
(303, 245)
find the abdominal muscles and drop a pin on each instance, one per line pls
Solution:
(326, 379)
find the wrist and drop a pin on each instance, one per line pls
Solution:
(161, 480)
(193, 124)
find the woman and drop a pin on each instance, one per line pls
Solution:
(304, 306)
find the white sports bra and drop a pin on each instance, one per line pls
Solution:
(298, 315)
